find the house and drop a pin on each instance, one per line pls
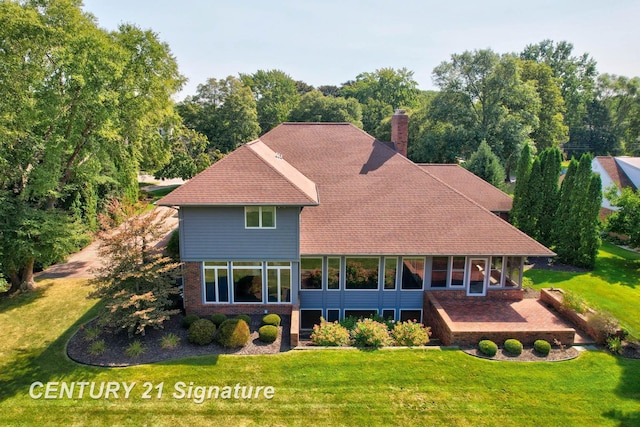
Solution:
(621, 172)
(321, 219)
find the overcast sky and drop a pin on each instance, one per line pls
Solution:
(332, 41)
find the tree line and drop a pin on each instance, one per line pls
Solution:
(85, 109)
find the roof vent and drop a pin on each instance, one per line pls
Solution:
(279, 156)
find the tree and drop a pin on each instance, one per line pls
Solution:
(189, 154)
(523, 171)
(625, 220)
(621, 96)
(79, 107)
(485, 164)
(597, 134)
(224, 111)
(551, 130)
(483, 97)
(576, 221)
(275, 93)
(136, 281)
(549, 193)
(315, 107)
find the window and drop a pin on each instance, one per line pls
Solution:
(333, 273)
(362, 273)
(216, 282)
(311, 273)
(279, 281)
(390, 272)
(415, 315)
(495, 280)
(412, 273)
(439, 271)
(514, 271)
(360, 314)
(247, 281)
(457, 271)
(260, 217)
(333, 315)
(389, 314)
(308, 318)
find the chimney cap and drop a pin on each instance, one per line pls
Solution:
(400, 111)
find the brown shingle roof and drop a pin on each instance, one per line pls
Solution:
(252, 175)
(472, 186)
(615, 172)
(375, 201)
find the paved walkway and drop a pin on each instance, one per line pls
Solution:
(81, 264)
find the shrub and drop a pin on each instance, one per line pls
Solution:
(614, 344)
(170, 340)
(330, 334)
(542, 346)
(488, 348)
(97, 347)
(349, 323)
(604, 325)
(91, 333)
(201, 332)
(369, 333)
(246, 318)
(271, 319)
(233, 333)
(410, 333)
(268, 333)
(218, 318)
(573, 301)
(135, 349)
(513, 347)
(173, 245)
(188, 320)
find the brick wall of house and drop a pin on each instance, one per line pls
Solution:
(502, 294)
(192, 280)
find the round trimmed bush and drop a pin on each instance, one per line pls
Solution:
(201, 332)
(233, 333)
(271, 319)
(218, 318)
(513, 347)
(189, 319)
(244, 317)
(542, 346)
(268, 333)
(488, 348)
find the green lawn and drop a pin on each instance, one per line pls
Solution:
(399, 387)
(613, 286)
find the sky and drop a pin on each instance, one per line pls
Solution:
(328, 42)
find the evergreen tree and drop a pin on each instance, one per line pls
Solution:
(522, 177)
(549, 194)
(590, 236)
(486, 165)
(532, 201)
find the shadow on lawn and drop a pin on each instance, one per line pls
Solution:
(628, 388)
(43, 364)
(20, 299)
(619, 271)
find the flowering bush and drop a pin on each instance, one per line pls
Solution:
(369, 333)
(330, 334)
(410, 333)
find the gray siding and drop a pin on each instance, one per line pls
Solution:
(218, 233)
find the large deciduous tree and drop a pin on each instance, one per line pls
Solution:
(316, 107)
(80, 106)
(482, 97)
(625, 220)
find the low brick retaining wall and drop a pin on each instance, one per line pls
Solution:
(554, 298)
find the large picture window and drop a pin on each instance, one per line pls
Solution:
(279, 281)
(362, 273)
(412, 273)
(247, 282)
(216, 282)
(311, 273)
(260, 216)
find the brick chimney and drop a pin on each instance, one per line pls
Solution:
(400, 131)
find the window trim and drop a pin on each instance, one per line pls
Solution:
(321, 288)
(340, 274)
(260, 226)
(424, 270)
(258, 264)
(384, 274)
(388, 309)
(309, 309)
(278, 268)
(332, 309)
(465, 261)
(216, 290)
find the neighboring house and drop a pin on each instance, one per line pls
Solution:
(325, 218)
(622, 172)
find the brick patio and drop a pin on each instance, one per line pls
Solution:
(465, 321)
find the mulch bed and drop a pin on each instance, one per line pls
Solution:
(117, 342)
(528, 355)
